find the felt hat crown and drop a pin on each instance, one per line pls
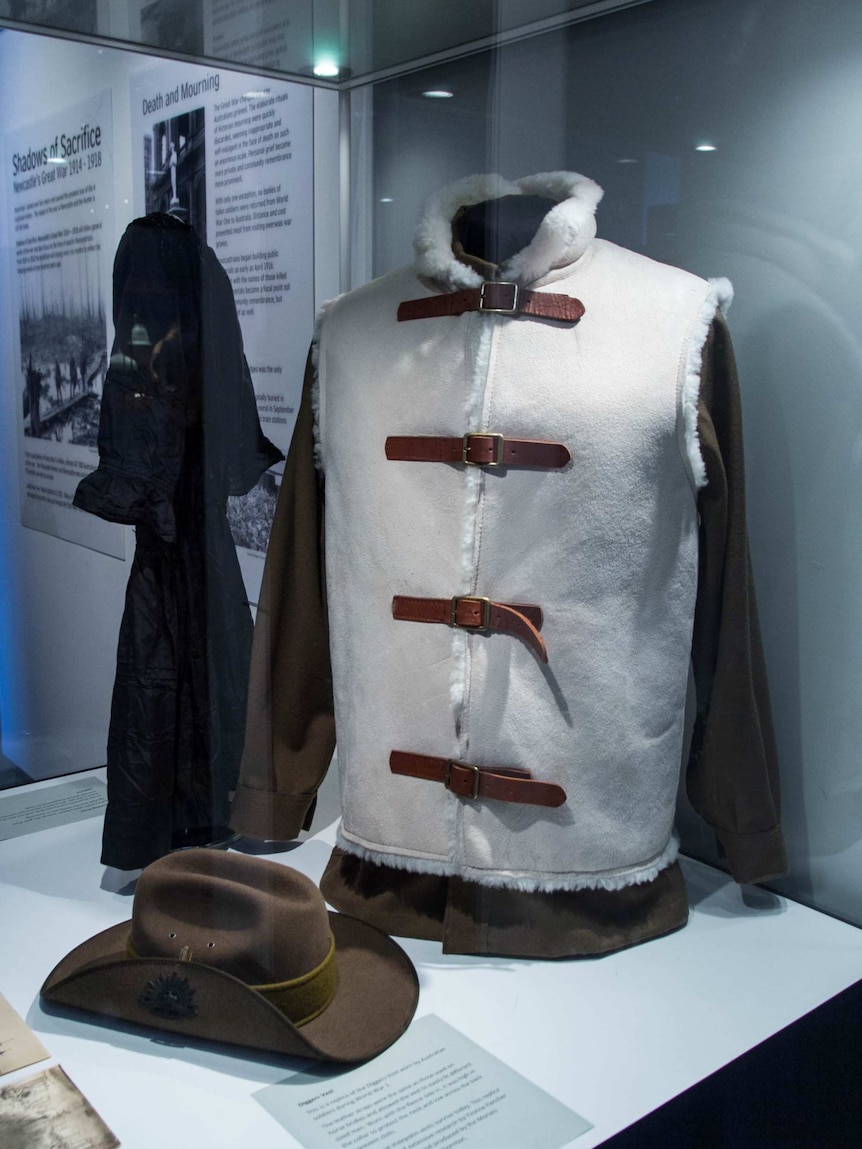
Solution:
(243, 950)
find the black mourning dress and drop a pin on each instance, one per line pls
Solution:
(179, 432)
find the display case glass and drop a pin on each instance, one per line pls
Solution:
(705, 125)
(603, 259)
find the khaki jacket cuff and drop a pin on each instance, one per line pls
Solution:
(269, 816)
(754, 857)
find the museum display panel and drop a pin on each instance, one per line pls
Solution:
(504, 283)
(160, 137)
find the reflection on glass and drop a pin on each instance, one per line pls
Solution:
(71, 15)
(731, 159)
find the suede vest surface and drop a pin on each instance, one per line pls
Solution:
(607, 547)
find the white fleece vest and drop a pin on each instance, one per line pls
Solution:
(607, 548)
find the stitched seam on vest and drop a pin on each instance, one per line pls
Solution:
(473, 520)
(485, 424)
(482, 332)
(634, 875)
(477, 334)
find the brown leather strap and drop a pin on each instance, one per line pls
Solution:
(497, 299)
(475, 613)
(503, 783)
(478, 449)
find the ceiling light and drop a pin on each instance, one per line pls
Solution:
(627, 160)
(387, 199)
(705, 148)
(438, 94)
(326, 69)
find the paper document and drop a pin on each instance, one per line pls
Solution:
(19, 1045)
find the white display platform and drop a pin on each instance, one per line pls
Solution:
(613, 1038)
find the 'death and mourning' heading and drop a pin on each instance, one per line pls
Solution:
(185, 91)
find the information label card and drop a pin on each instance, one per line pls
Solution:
(52, 806)
(434, 1089)
(19, 1045)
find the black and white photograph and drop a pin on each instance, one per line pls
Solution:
(48, 1111)
(71, 15)
(175, 24)
(175, 169)
(64, 352)
(250, 516)
(60, 205)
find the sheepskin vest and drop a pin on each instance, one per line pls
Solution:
(606, 546)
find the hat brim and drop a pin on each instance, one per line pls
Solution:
(373, 1004)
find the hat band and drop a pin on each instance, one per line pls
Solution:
(301, 999)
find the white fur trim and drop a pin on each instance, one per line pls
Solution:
(719, 297)
(724, 293)
(607, 880)
(315, 383)
(561, 238)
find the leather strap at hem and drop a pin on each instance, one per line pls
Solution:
(472, 612)
(497, 299)
(478, 449)
(502, 783)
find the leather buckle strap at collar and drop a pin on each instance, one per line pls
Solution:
(496, 298)
(477, 613)
(478, 449)
(502, 783)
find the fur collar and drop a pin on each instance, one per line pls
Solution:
(563, 236)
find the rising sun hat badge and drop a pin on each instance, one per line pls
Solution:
(170, 996)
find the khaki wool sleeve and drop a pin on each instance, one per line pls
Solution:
(732, 776)
(290, 723)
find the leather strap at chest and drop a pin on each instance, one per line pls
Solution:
(496, 299)
(478, 449)
(503, 783)
(477, 613)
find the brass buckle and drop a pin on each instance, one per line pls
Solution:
(464, 766)
(499, 440)
(516, 291)
(486, 611)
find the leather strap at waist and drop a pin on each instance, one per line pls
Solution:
(478, 449)
(503, 783)
(497, 299)
(472, 612)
